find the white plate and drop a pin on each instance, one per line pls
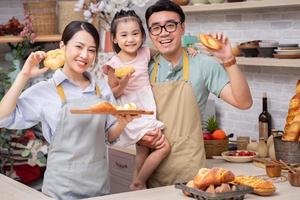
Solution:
(238, 159)
(288, 52)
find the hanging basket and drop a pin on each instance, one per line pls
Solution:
(44, 21)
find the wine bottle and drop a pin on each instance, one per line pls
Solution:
(264, 120)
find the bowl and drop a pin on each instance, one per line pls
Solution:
(216, 1)
(273, 170)
(268, 43)
(249, 49)
(195, 2)
(239, 156)
(266, 52)
(182, 2)
(294, 179)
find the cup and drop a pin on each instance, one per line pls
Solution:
(273, 170)
(242, 142)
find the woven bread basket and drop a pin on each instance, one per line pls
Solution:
(43, 12)
(215, 147)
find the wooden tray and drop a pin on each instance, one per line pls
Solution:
(124, 112)
(282, 56)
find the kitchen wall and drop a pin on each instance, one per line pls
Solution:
(282, 24)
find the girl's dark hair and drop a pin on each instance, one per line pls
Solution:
(164, 5)
(122, 16)
(73, 27)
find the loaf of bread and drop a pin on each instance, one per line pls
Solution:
(103, 107)
(55, 59)
(214, 176)
(210, 42)
(292, 126)
(260, 186)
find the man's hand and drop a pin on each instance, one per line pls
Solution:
(153, 139)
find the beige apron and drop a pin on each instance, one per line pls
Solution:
(177, 108)
(76, 164)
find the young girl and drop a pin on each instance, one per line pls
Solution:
(128, 36)
(76, 164)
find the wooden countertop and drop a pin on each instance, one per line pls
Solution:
(13, 190)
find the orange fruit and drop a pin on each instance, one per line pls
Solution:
(219, 134)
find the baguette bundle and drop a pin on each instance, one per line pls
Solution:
(292, 126)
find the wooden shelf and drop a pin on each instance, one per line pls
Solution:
(247, 5)
(275, 62)
(40, 38)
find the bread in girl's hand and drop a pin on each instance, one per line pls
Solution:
(123, 71)
(214, 176)
(55, 59)
(210, 42)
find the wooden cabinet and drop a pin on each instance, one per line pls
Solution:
(121, 166)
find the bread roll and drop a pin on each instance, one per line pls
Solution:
(123, 71)
(214, 176)
(210, 42)
(55, 59)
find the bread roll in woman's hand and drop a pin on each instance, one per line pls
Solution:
(55, 59)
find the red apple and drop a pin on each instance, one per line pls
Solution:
(207, 136)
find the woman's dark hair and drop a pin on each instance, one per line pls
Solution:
(122, 16)
(164, 5)
(73, 27)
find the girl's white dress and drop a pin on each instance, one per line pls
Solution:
(137, 91)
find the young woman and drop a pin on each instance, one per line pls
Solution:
(76, 164)
(128, 36)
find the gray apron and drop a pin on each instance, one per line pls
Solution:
(76, 164)
(177, 108)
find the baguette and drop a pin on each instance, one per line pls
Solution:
(292, 126)
(214, 176)
(260, 186)
(103, 107)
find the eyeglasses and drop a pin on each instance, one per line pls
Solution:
(170, 27)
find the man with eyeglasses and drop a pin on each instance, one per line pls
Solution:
(181, 85)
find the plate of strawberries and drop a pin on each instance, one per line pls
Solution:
(239, 156)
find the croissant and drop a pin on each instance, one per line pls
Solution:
(214, 176)
(292, 126)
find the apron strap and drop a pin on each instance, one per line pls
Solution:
(185, 68)
(62, 95)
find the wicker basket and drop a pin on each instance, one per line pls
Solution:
(215, 147)
(66, 14)
(44, 20)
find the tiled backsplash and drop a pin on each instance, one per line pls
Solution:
(282, 24)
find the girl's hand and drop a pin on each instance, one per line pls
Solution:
(225, 53)
(192, 51)
(125, 79)
(31, 67)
